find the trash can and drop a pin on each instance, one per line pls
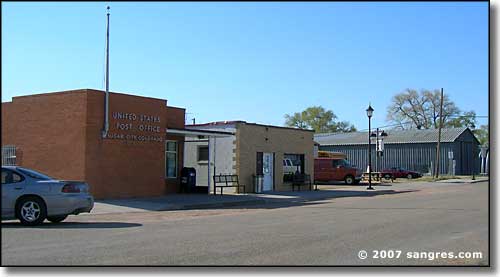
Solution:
(188, 179)
(258, 181)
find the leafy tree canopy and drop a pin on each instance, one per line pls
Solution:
(318, 119)
(482, 135)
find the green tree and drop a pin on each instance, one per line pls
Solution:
(318, 119)
(482, 135)
(468, 119)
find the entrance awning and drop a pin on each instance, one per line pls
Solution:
(210, 135)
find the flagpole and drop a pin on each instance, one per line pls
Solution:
(106, 104)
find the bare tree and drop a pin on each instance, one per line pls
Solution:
(420, 108)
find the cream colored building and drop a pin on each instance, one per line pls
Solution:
(254, 149)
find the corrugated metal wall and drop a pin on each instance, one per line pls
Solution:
(415, 156)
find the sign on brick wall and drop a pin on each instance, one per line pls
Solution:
(136, 127)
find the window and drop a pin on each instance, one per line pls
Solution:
(9, 177)
(335, 163)
(260, 164)
(171, 159)
(34, 174)
(342, 163)
(203, 153)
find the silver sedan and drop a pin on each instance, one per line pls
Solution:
(32, 197)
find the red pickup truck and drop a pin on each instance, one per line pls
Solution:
(336, 169)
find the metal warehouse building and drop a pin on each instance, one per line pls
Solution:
(410, 149)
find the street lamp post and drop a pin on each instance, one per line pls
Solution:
(369, 113)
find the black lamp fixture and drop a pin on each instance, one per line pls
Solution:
(369, 113)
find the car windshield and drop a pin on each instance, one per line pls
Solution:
(34, 174)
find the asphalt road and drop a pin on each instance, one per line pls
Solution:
(433, 218)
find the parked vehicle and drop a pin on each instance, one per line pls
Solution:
(398, 172)
(289, 167)
(32, 197)
(336, 169)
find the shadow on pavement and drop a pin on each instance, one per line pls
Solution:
(247, 201)
(294, 199)
(73, 225)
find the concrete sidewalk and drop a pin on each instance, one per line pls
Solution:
(171, 202)
(205, 201)
(467, 181)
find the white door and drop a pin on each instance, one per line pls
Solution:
(267, 169)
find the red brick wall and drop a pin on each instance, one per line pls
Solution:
(60, 134)
(118, 168)
(176, 117)
(49, 132)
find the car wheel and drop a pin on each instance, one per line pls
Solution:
(31, 211)
(349, 180)
(409, 176)
(56, 219)
(387, 176)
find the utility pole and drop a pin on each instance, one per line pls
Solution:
(439, 134)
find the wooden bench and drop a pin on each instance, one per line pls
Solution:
(226, 181)
(301, 180)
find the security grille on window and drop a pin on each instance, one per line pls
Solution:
(171, 159)
(203, 153)
(9, 155)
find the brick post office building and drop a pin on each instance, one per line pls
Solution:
(60, 134)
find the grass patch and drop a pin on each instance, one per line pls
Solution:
(442, 177)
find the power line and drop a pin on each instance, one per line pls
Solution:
(411, 122)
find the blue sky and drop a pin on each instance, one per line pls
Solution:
(252, 61)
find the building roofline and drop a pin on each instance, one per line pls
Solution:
(216, 123)
(196, 132)
(178, 108)
(234, 122)
(345, 141)
(81, 91)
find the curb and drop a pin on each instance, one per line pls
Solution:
(462, 181)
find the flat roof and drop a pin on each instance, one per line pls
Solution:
(82, 91)
(234, 122)
(195, 132)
